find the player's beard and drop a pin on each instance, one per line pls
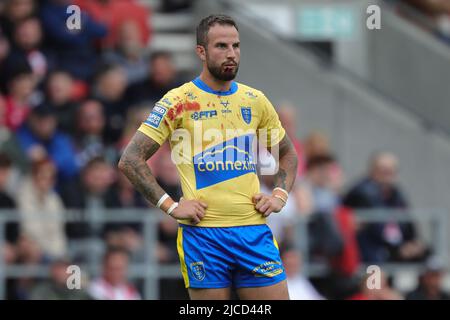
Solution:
(217, 72)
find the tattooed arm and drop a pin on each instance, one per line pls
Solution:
(284, 178)
(288, 162)
(133, 164)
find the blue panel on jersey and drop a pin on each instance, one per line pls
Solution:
(225, 161)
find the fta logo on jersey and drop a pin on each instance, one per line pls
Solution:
(203, 115)
(155, 117)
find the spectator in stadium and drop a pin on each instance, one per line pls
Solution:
(135, 116)
(162, 77)
(28, 254)
(89, 139)
(109, 89)
(127, 195)
(39, 138)
(26, 48)
(42, 211)
(56, 287)
(8, 251)
(6, 200)
(430, 282)
(113, 283)
(14, 12)
(10, 146)
(74, 52)
(129, 52)
(4, 52)
(384, 241)
(18, 104)
(332, 238)
(59, 96)
(175, 5)
(92, 192)
(300, 288)
(113, 13)
(288, 116)
(318, 144)
(317, 198)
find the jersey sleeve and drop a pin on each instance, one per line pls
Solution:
(269, 128)
(160, 123)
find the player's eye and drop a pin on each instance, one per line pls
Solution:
(236, 45)
(221, 45)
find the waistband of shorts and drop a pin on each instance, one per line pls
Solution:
(188, 226)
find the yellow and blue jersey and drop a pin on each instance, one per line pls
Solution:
(219, 162)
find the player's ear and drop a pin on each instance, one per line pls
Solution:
(201, 52)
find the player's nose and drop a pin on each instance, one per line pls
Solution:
(231, 54)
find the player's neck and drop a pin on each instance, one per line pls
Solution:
(213, 83)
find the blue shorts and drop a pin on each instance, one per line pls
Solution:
(245, 256)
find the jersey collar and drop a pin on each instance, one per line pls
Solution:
(200, 84)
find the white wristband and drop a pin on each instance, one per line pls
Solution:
(163, 198)
(172, 207)
(282, 190)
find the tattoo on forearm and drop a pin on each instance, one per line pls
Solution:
(288, 162)
(133, 164)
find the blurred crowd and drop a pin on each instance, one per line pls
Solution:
(336, 237)
(70, 100)
(69, 103)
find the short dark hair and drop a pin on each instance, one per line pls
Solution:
(208, 22)
(113, 251)
(320, 161)
(160, 54)
(92, 163)
(37, 165)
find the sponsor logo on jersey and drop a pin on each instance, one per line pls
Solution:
(203, 115)
(224, 161)
(225, 104)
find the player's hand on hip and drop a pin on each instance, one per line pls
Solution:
(193, 210)
(266, 204)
